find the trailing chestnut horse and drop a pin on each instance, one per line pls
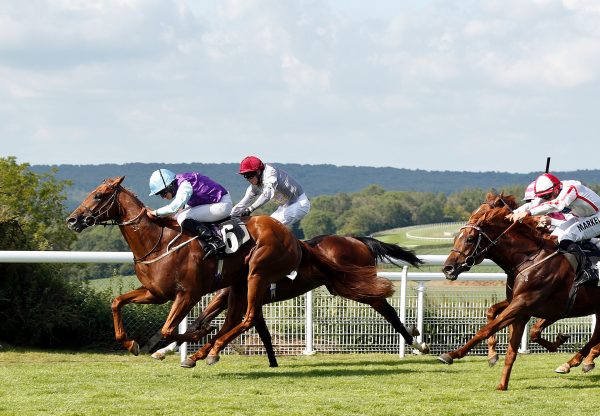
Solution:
(355, 250)
(540, 277)
(170, 264)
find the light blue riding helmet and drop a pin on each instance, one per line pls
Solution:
(160, 179)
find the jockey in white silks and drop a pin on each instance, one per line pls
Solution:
(270, 183)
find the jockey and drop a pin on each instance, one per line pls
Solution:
(266, 183)
(550, 221)
(580, 201)
(202, 200)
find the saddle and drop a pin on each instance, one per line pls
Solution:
(582, 277)
(232, 231)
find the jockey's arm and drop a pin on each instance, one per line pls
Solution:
(182, 196)
(248, 198)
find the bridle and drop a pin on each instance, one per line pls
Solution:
(471, 259)
(92, 219)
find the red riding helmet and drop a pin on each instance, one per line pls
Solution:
(545, 184)
(251, 164)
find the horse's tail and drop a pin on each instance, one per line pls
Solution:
(389, 252)
(349, 281)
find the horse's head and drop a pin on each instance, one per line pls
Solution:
(99, 206)
(481, 233)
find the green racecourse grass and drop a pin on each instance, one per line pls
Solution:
(63, 383)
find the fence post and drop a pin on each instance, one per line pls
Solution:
(524, 347)
(403, 280)
(183, 346)
(308, 328)
(420, 309)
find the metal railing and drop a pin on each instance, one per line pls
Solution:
(446, 316)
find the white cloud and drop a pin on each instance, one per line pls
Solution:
(368, 81)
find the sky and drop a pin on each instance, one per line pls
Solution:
(466, 85)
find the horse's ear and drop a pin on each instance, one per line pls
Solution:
(115, 181)
(490, 197)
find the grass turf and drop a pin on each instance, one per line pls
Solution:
(372, 384)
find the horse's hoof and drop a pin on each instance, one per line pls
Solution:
(562, 338)
(158, 355)
(563, 369)
(588, 367)
(413, 331)
(133, 347)
(493, 360)
(188, 363)
(422, 347)
(446, 359)
(273, 365)
(212, 359)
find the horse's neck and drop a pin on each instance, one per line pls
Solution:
(139, 231)
(510, 256)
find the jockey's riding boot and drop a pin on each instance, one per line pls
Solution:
(213, 243)
(588, 271)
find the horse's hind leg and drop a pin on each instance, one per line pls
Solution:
(536, 335)
(389, 313)
(265, 336)
(140, 295)
(492, 340)
(589, 351)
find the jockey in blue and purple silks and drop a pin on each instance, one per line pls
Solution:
(196, 199)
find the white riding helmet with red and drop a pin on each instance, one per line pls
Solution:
(546, 184)
(529, 192)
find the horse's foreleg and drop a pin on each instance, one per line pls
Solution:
(492, 341)
(217, 305)
(201, 325)
(506, 317)
(182, 304)
(235, 308)
(516, 333)
(140, 295)
(256, 287)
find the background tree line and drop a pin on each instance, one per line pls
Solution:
(52, 305)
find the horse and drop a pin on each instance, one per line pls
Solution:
(171, 269)
(356, 250)
(540, 278)
(535, 334)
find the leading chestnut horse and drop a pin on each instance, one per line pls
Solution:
(354, 250)
(170, 264)
(540, 277)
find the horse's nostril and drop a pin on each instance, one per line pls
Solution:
(72, 221)
(448, 269)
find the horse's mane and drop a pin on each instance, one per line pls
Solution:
(502, 205)
(168, 222)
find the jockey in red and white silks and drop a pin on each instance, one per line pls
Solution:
(549, 221)
(570, 196)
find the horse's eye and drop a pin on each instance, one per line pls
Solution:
(98, 196)
(470, 239)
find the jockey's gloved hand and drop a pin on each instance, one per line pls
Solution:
(246, 212)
